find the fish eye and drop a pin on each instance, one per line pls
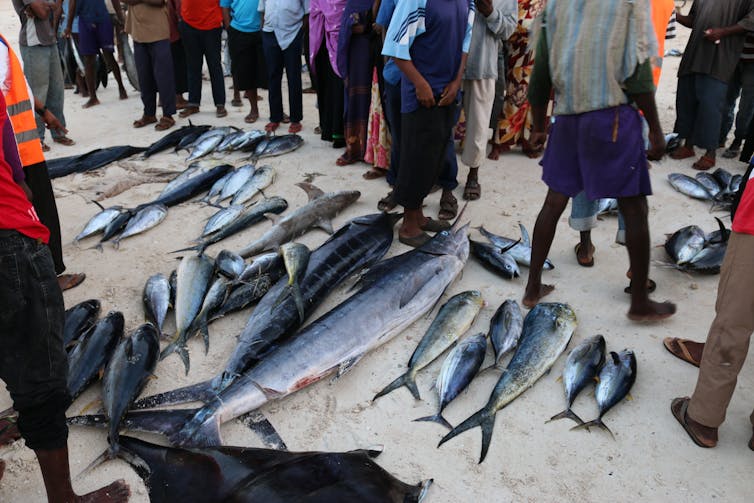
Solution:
(444, 233)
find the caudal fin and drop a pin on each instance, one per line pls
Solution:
(566, 414)
(200, 392)
(164, 422)
(482, 418)
(437, 418)
(598, 423)
(107, 455)
(406, 380)
(181, 349)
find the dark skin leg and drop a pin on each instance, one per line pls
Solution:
(110, 60)
(251, 95)
(90, 65)
(412, 222)
(544, 233)
(57, 478)
(635, 211)
(585, 248)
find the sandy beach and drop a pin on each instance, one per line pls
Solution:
(651, 458)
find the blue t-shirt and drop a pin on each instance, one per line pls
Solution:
(92, 11)
(390, 73)
(244, 15)
(433, 34)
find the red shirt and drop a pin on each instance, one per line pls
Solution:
(16, 212)
(743, 222)
(202, 14)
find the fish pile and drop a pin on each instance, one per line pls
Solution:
(693, 250)
(223, 140)
(503, 255)
(719, 187)
(175, 137)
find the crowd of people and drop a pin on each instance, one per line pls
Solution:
(397, 82)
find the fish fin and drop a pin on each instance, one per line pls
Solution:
(180, 348)
(326, 225)
(347, 365)
(272, 217)
(524, 235)
(566, 414)
(629, 398)
(259, 424)
(311, 191)
(93, 420)
(206, 434)
(481, 418)
(198, 248)
(98, 204)
(299, 300)
(201, 392)
(92, 404)
(598, 423)
(423, 489)
(107, 455)
(437, 418)
(405, 380)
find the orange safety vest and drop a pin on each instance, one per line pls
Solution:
(21, 112)
(661, 11)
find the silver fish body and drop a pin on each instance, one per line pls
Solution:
(236, 181)
(255, 184)
(520, 251)
(205, 147)
(229, 264)
(295, 258)
(214, 298)
(144, 219)
(98, 222)
(156, 299)
(278, 145)
(689, 186)
(217, 187)
(505, 328)
(685, 243)
(228, 140)
(87, 359)
(709, 182)
(222, 218)
(496, 260)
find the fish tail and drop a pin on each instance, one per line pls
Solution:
(204, 330)
(406, 380)
(423, 489)
(200, 392)
(298, 299)
(566, 414)
(437, 418)
(202, 430)
(180, 348)
(598, 423)
(198, 248)
(108, 455)
(483, 419)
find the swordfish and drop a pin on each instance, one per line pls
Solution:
(392, 296)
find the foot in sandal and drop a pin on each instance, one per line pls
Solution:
(685, 349)
(472, 191)
(701, 435)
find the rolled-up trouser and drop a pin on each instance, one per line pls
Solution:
(584, 216)
(44, 73)
(425, 133)
(728, 338)
(478, 97)
(33, 363)
(154, 64)
(699, 104)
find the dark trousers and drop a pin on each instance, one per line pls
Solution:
(289, 59)
(330, 96)
(38, 181)
(179, 66)
(33, 363)
(202, 45)
(392, 108)
(699, 105)
(154, 64)
(424, 140)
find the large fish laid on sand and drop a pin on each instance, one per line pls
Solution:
(173, 138)
(99, 222)
(505, 329)
(247, 474)
(581, 369)
(520, 249)
(393, 295)
(689, 186)
(317, 213)
(453, 320)
(156, 299)
(95, 159)
(357, 245)
(79, 319)
(547, 330)
(277, 145)
(192, 186)
(91, 354)
(143, 220)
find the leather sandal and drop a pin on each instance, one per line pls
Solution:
(679, 408)
(164, 123)
(677, 347)
(415, 241)
(145, 121)
(432, 225)
(704, 163)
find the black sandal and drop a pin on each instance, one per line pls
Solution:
(448, 207)
(387, 203)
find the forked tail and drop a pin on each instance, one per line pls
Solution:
(437, 418)
(598, 423)
(566, 414)
(406, 380)
(484, 419)
(180, 348)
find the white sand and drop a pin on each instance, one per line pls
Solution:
(651, 459)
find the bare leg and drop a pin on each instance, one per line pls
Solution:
(635, 211)
(544, 233)
(585, 253)
(90, 65)
(251, 95)
(412, 222)
(110, 60)
(57, 478)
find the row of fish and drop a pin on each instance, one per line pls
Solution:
(693, 250)
(719, 187)
(503, 255)
(231, 139)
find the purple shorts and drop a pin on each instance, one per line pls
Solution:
(95, 36)
(600, 152)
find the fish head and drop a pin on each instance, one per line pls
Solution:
(347, 197)
(454, 241)
(563, 315)
(473, 297)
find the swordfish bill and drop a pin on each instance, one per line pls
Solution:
(357, 245)
(393, 295)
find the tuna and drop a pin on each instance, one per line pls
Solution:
(685, 243)
(495, 259)
(222, 218)
(193, 186)
(92, 353)
(244, 294)
(277, 145)
(156, 300)
(143, 220)
(689, 186)
(214, 298)
(174, 138)
(99, 222)
(79, 319)
(521, 251)
(229, 264)
(235, 182)
(255, 184)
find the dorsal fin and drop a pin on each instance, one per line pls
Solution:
(524, 235)
(615, 357)
(311, 191)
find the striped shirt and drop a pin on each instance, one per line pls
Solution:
(670, 32)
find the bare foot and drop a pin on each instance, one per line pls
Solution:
(652, 311)
(531, 299)
(117, 492)
(123, 94)
(89, 104)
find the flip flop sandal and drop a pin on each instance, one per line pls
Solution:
(387, 203)
(221, 112)
(295, 127)
(650, 288)
(432, 225)
(677, 347)
(271, 126)
(704, 163)
(251, 118)
(64, 140)
(144, 121)
(679, 407)
(374, 173)
(415, 241)
(188, 110)
(448, 208)
(68, 281)
(588, 263)
(345, 161)
(472, 191)
(164, 123)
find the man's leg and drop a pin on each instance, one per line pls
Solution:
(477, 101)
(37, 71)
(686, 110)
(710, 94)
(90, 68)
(745, 105)
(56, 92)
(729, 106)
(212, 42)
(147, 84)
(274, 58)
(162, 70)
(193, 51)
(583, 219)
(392, 101)
(544, 233)
(292, 58)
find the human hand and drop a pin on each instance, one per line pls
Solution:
(67, 33)
(53, 123)
(449, 93)
(537, 140)
(424, 95)
(714, 34)
(656, 146)
(484, 7)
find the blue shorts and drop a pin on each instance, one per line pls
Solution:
(601, 153)
(94, 36)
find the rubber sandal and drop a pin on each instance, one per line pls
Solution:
(432, 225)
(251, 118)
(679, 408)
(650, 288)
(388, 202)
(45, 147)
(682, 153)
(270, 127)
(415, 241)
(472, 191)
(374, 173)
(295, 127)
(64, 140)
(704, 163)
(448, 207)
(588, 263)
(677, 347)
(144, 121)
(236, 102)
(221, 112)
(345, 161)
(188, 110)
(68, 281)
(164, 123)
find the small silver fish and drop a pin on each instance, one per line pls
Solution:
(98, 222)
(255, 184)
(144, 219)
